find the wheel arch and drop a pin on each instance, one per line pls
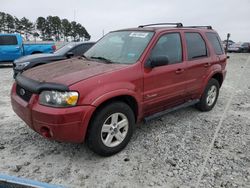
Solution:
(219, 77)
(130, 100)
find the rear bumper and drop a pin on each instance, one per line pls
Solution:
(61, 124)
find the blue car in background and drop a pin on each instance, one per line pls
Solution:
(12, 47)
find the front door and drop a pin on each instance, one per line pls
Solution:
(164, 86)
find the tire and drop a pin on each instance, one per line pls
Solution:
(210, 96)
(104, 140)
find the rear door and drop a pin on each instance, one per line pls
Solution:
(164, 86)
(198, 63)
(9, 48)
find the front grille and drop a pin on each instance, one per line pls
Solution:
(23, 93)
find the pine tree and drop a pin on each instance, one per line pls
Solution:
(74, 30)
(27, 26)
(41, 25)
(9, 22)
(2, 21)
(66, 28)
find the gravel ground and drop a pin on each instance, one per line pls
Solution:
(186, 148)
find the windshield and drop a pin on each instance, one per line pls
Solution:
(123, 47)
(64, 49)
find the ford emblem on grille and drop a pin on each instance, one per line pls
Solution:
(22, 92)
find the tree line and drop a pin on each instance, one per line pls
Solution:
(45, 28)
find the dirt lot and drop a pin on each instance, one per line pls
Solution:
(185, 148)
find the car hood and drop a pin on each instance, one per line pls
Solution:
(38, 57)
(70, 71)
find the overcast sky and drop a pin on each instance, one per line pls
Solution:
(96, 15)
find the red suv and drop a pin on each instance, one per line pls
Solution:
(127, 76)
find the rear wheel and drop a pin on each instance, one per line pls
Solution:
(210, 96)
(111, 129)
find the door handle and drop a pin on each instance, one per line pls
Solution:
(179, 71)
(207, 64)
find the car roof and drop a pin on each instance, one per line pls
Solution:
(159, 27)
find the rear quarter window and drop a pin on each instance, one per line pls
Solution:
(8, 40)
(215, 42)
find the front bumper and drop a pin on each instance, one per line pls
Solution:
(61, 124)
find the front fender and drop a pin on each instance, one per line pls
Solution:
(96, 95)
(113, 94)
(118, 93)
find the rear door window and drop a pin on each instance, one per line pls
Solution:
(215, 42)
(196, 46)
(8, 40)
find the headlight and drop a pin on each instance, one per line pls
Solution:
(58, 99)
(22, 65)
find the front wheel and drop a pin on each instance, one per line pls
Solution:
(111, 129)
(210, 96)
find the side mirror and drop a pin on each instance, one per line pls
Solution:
(156, 61)
(69, 54)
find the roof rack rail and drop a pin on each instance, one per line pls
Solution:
(156, 24)
(202, 26)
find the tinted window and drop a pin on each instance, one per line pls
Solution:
(64, 49)
(196, 46)
(215, 42)
(85, 47)
(8, 40)
(169, 45)
(77, 51)
(81, 49)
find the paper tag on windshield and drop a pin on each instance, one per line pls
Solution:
(138, 34)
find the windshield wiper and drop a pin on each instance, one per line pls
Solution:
(102, 58)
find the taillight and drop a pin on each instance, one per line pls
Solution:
(54, 47)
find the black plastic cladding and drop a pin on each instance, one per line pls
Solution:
(37, 87)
